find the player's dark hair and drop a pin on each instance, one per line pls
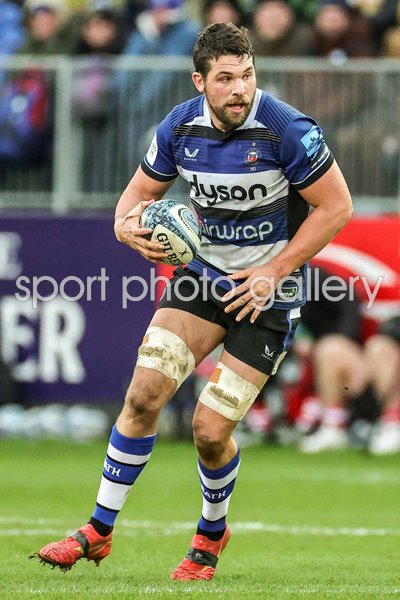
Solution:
(220, 39)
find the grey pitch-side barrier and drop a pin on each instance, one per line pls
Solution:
(104, 114)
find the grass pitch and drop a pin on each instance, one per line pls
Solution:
(315, 527)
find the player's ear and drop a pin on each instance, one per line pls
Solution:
(198, 81)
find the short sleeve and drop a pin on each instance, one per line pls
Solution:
(159, 162)
(305, 156)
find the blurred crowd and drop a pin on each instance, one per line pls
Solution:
(349, 106)
(335, 28)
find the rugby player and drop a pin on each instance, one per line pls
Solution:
(269, 196)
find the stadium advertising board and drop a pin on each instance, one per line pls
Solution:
(367, 250)
(76, 337)
(74, 304)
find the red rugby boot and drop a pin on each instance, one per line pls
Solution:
(201, 559)
(84, 543)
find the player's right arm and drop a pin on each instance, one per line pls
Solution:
(140, 192)
(151, 181)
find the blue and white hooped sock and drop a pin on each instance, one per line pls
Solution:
(125, 460)
(217, 486)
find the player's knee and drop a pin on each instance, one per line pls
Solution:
(165, 352)
(144, 400)
(210, 444)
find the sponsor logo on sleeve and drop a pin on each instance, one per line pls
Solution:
(152, 151)
(312, 141)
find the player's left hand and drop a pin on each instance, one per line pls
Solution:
(255, 291)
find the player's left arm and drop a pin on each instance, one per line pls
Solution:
(333, 209)
(330, 197)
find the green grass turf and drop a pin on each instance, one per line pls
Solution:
(304, 526)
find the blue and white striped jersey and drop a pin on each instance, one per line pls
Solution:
(244, 182)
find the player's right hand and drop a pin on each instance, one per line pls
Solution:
(129, 232)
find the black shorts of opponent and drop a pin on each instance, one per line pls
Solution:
(261, 345)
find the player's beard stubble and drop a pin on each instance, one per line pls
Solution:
(226, 116)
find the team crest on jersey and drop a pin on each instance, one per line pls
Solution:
(252, 155)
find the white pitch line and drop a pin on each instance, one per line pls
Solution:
(254, 526)
(371, 479)
(29, 532)
(261, 591)
(130, 528)
(17, 520)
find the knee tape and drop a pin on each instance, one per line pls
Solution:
(167, 353)
(228, 394)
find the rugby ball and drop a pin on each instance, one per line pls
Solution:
(175, 226)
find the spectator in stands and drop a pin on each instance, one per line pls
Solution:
(48, 32)
(93, 89)
(341, 32)
(334, 347)
(162, 30)
(382, 357)
(390, 35)
(343, 102)
(305, 10)
(380, 14)
(130, 11)
(100, 34)
(222, 11)
(277, 32)
(12, 33)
